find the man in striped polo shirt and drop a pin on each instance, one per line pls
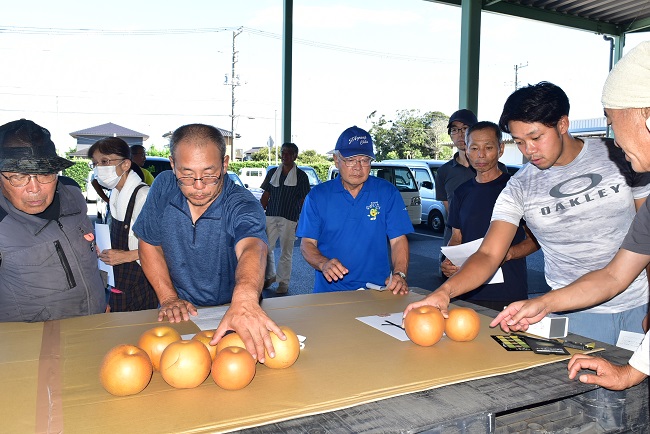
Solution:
(285, 189)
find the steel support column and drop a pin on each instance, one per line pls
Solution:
(287, 69)
(470, 49)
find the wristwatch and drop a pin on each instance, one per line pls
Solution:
(400, 274)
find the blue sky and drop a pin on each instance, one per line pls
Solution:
(350, 59)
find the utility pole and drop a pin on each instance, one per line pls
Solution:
(517, 68)
(234, 82)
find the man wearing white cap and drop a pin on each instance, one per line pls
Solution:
(626, 99)
(345, 222)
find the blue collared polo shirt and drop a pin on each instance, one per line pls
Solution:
(356, 231)
(201, 256)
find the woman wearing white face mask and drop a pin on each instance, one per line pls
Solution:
(115, 171)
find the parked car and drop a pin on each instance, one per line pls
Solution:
(235, 178)
(90, 193)
(433, 168)
(252, 177)
(310, 171)
(402, 178)
(155, 165)
(434, 213)
(257, 192)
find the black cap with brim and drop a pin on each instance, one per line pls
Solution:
(26, 147)
(465, 116)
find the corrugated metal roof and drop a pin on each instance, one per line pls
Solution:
(613, 17)
(621, 13)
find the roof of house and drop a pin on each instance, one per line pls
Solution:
(108, 130)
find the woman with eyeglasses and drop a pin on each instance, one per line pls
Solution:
(115, 171)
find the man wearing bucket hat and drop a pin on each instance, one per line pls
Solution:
(626, 100)
(48, 264)
(344, 224)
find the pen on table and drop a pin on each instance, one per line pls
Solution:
(393, 324)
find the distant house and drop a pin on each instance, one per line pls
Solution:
(85, 138)
(248, 154)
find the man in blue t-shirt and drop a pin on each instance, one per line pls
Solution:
(347, 223)
(202, 240)
(470, 213)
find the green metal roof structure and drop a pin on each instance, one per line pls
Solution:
(609, 17)
(612, 18)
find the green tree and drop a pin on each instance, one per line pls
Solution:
(311, 158)
(263, 154)
(410, 135)
(155, 152)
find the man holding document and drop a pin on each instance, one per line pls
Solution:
(577, 196)
(469, 219)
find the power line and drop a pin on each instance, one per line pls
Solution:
(93, 113)
(345, 49)
(57, 31)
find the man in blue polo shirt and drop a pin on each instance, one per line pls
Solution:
(347, 223)
(202, 240)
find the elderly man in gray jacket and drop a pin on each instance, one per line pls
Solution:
(48, 264)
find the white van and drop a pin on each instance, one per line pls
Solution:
(401, 177)
(433, 211)
(252, 177)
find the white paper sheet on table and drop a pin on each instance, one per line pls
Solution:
(629, 340)
(103, 241)
(459, 254)
(391, 324)
(209, 317)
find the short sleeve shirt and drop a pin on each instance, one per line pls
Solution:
(579, 214)
(285, 201)
(470, 213)
(637, 239)
(640, 360)
(356, 231)
(450, 176)
(201, 256)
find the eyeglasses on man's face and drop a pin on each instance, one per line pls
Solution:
(105, 162)
(352, 162)
(457, 130)
(188, 181)
(22, 179)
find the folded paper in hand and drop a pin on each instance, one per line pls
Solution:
(459, 254)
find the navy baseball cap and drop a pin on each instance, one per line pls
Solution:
(465, 116)
(355, 141)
